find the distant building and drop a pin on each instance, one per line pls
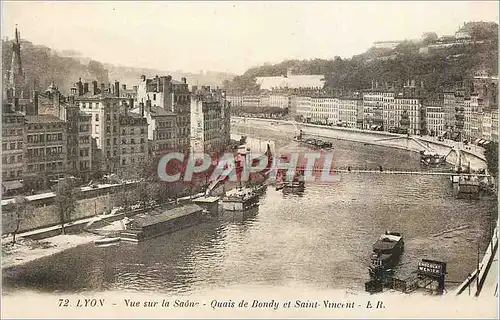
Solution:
(434, 117)
(291, 81)
(386, 44)
(14, 85)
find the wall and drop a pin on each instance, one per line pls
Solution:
(46, 216)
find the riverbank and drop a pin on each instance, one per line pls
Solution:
(254, 128)
(26, 250)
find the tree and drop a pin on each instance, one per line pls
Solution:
(21, 210)
(429, 38)
(491, 155)
(65, 200)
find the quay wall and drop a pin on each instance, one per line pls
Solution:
(47, 215)
(475, 155)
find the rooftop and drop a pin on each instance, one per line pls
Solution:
(89, 95)
(291, 81)
(154, 111)
(149, 220)
(42, 118)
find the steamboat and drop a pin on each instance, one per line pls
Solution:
(386, 253)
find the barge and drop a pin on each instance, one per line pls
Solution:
(386, 253)
(467, 188)
(240, 199)
(161, 222)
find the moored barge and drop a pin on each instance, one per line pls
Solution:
(240, 199)
(160, 222)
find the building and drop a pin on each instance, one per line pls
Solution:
(15, 80)
(79, 130)
(281, 101)
(46, 146)
(386, 44)
(133, 139)
(104, 110)
(13, 145)
(449, 104)
(247, 100)
(173, 96)
(348, 111)
(373, 109)
(494, 125)
(290, 81)
(434, 117)
(162, 130)
(210, 118)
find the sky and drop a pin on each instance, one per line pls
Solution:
(230, 36)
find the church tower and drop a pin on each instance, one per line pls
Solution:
(15, 76)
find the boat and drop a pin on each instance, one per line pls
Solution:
(296, 182)
(468, 188)
(107, 240)
(240, 199)
(163, 221)
(386, 253)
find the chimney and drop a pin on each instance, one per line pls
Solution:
(143, 78)
(183, 80)
(131, 103)
(117, 88)
(103, 87)
(16, 104)
(85, 87)
(134, 88)
(79, 86)
(94, 87)
(56, 99)
(157, 83)
(71, 100)
(124, 87)
(141, 107)
(35, 102)
(74, 91)
(148, 106)
(167, 93)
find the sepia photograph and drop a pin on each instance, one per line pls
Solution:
(249, 159)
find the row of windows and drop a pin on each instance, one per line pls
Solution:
(46, 126)
(12, 159)
(133, 150)
(12, 146)
(7, 119)
(43, 151)
(12, 174)
(42, 167)
(35, 138)
(12, 132)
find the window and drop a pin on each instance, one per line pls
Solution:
(124, 132)
(142, 130)
(108, 142)
(97, 117)
(154, 96)
(124, 162)
(108, 129)
(114, 141)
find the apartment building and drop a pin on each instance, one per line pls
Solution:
(210, 118)
(434, 117)
(13, 145)
(46, 146)
(162, 130)
(173, 96)
(133, 139)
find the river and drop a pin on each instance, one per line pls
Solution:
(321, 238)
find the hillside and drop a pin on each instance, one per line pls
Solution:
(437, 68)
(42, 65)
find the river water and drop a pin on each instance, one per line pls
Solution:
(321, 238)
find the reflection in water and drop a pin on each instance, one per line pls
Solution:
(321, 237)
